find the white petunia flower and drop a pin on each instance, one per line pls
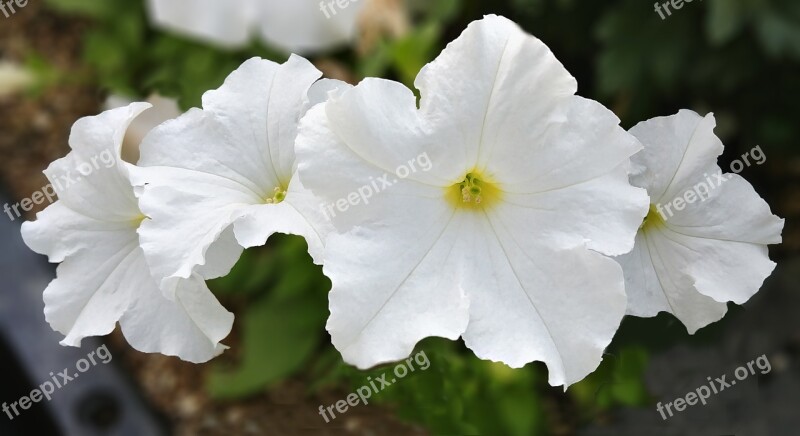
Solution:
(163, 109)
(704, 242)
(296, 26)
(221, 178)
(103, 277)
(500, 241)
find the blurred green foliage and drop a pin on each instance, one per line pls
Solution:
(457, 394)
(285, 300)
(402, 58)
(738, 58)
(127, 57)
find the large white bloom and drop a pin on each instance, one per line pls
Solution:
(696, 254)
(103, 277)
(296, 26)
(499, 242)
(221, 178)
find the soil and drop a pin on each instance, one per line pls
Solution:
(176, 389)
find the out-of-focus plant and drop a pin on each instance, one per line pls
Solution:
(284, 296)
(618, 381)
(457, 394)
(720, 53)
(405, 55)
(715, 56)
(128, 57)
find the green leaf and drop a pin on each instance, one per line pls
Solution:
(618, 381)
(279, 338)
(90, 8)
(411, 53)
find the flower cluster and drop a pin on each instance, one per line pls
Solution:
(531, 236)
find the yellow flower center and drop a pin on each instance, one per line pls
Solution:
(279, 194)
(653, 219)
(137, 221)
(475, 192)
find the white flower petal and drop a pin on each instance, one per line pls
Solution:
(488, 102)
(209, 168)
(92, 179)
(575, 181)
(533, 303)
(690, 262)
(301, 26)
(99, 276)
(583, 143)
(221, 256)
(300, 214)
(260, 104)
(298, 26)
(733, 211)
(246, 129)
(379, 314)
(226, 24)
(189, 213)
(383, 112)
(488, 83)
(163, 109)
(723, 270)
(655, 282)
(338, 171)
(104, 278)
(197, 322)
(102, 286)
(322, 90)
(66, 231)
(677, 150)
(602, 213)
